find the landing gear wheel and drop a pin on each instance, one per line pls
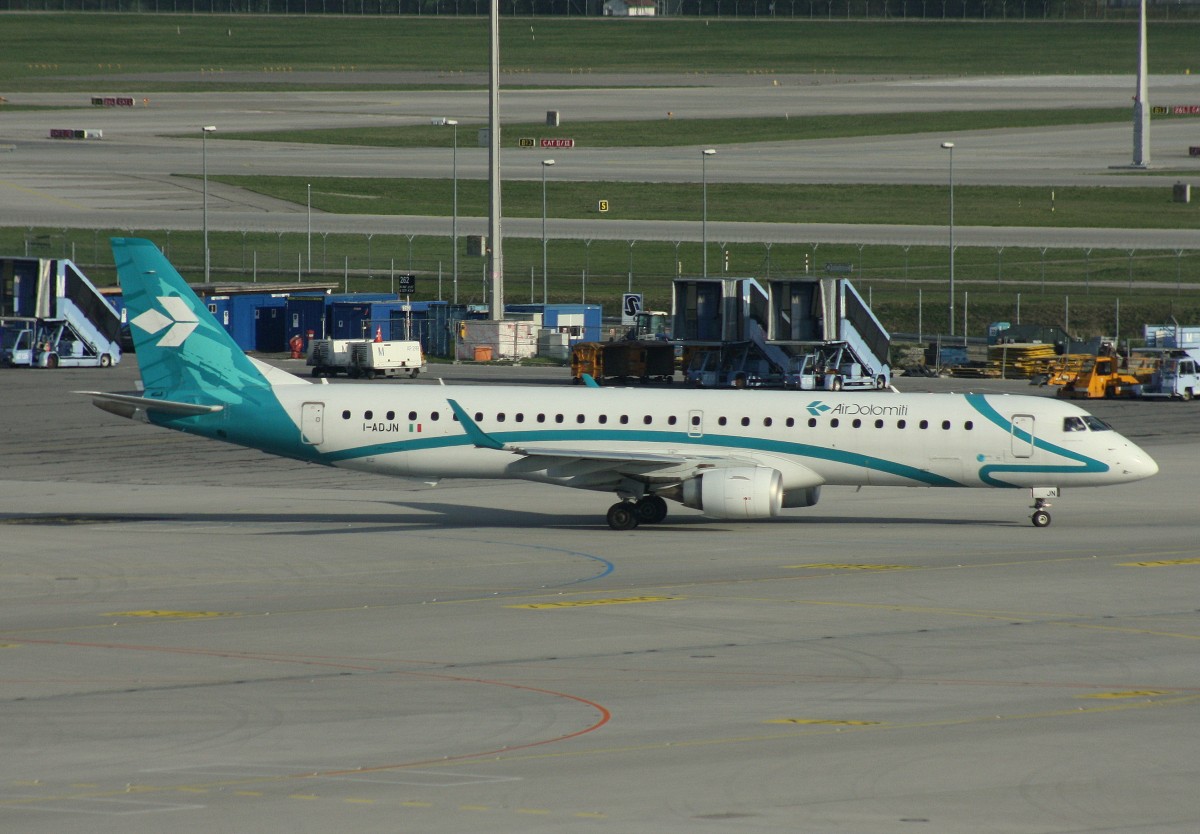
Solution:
(623, 516)
(651, 509)
(1040, 517)
(105, 360)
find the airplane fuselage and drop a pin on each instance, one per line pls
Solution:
(869, 438)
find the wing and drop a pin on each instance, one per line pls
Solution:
(610, 468)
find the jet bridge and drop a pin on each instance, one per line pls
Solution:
(736, 332)
(826, 317)
(722, 323)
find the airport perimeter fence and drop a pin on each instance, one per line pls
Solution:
(1012, 10)
(1084, 290)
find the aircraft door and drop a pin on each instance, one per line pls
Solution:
(312, 423)
(695, 424)
(1022, 435)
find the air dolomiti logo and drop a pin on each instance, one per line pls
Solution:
(816, 408)
(179, 322)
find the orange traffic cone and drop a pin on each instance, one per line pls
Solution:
(379, 334)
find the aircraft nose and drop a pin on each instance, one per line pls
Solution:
(1136, 464)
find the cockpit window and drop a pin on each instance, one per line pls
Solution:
(1074, 424)
(1096, 424)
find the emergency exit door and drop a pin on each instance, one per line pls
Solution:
(312, 423)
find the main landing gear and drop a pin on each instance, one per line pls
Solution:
(625, 515)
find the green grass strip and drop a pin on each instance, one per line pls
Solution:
(71, 50)
(1134, 208)
(667, 132)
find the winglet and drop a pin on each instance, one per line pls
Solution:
(478, 436)
(589, 381)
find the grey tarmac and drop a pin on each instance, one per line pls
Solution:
(195, 637)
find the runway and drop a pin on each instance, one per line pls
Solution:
(198, 638)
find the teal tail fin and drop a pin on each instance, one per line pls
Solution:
(186, 357)
(181, 349)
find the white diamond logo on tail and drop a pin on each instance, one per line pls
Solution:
(180, 319)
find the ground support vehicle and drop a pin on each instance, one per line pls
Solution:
(830, 367)
(52, 343)
(1104, 379)
(1176, 373)
(329, 357)
(387, 359)
(731, 365)
(624, 361)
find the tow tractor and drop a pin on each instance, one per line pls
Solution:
(1103, 380)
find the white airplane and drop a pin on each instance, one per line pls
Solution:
(731, 454)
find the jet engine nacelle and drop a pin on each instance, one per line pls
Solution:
(741, 492)
(806, 497)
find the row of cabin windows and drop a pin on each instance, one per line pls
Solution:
(672, 420)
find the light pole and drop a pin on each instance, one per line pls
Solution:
(454, 210)
(204, 131)
(704, 155)
(308, 203)
(546, 163)
(949, 146)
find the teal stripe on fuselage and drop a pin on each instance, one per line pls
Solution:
(979, 403)
(780, 447)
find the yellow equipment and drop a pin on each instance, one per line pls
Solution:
(1103, 380)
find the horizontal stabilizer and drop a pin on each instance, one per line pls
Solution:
(127, 405)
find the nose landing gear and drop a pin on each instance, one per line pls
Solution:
(1040, 517)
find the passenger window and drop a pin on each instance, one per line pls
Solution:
(901, 424)
(745, 421)
(578, 418)
(857, 423)
(412, 415)
(478, 416)
(767, 422)
(520, 418)
(812, 422)
(603, 419)
(367, 415)
(924, 424)
(878, 424)
(391, 415)
(434, 415)
(721, 421)
(647, 419)
(671, 420)
(500, 417)
(624, 419)
(791, 421)
(946, 424)
(833, 423)
(345, 415)
(541, 418)
(558, 418)
(968, 425)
